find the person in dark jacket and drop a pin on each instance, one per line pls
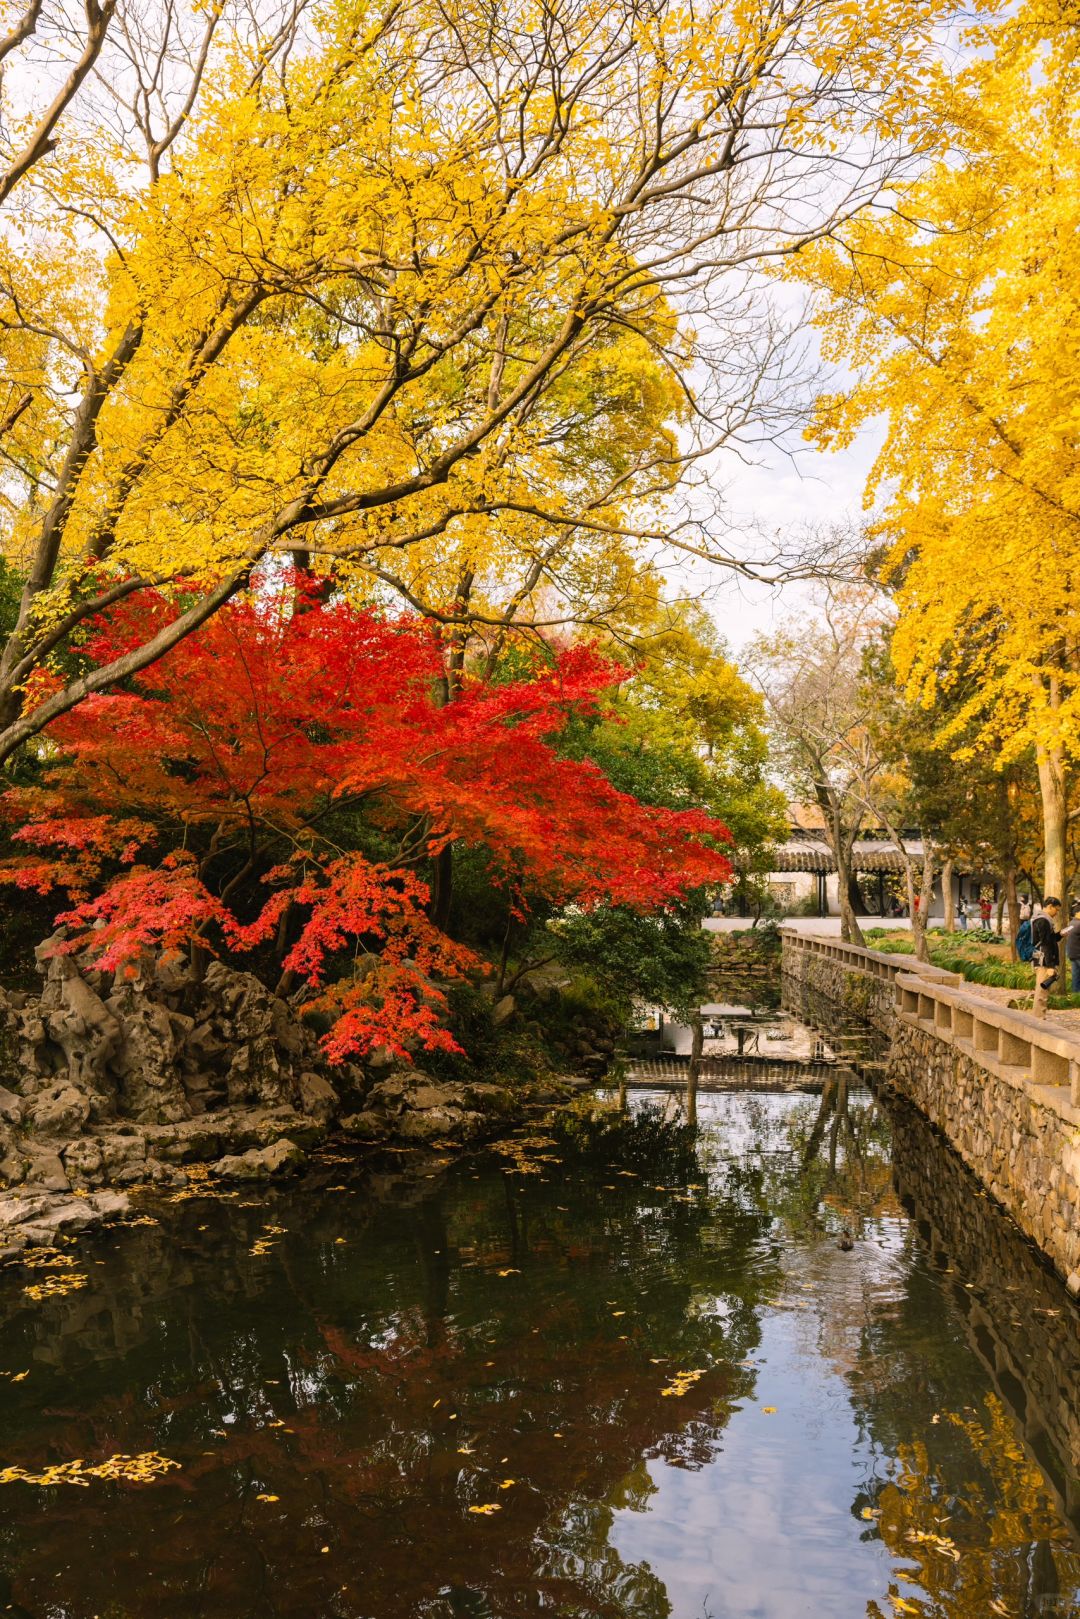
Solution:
(1046, 955)
(1072, 947)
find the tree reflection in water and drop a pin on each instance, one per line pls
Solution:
(432, 1338)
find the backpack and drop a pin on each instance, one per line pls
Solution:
(1025, 947)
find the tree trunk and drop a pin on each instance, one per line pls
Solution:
(1055, 823)
(1055, 809)
(504, 954)
(920, 914)
(1055, 814)
(850, 931)
(947, 895)
(697, 1025)
(1013, 903)
(442, 887)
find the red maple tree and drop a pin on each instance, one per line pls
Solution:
(285, 775)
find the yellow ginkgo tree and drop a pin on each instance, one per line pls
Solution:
(957, 310)
(365, 282)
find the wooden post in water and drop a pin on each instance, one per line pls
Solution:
(697, 1026)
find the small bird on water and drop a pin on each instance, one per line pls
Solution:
(847, 1241)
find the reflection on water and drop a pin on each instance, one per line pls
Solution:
(888, 1430)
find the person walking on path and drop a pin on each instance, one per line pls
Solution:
(985, 908)
(962, 916)
(1072, 948)
(1046, 955)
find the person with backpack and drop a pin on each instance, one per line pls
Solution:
(1024, 945)
(1045, 954)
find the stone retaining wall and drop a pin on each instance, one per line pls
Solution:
(1002, 1086)
(997, 1084)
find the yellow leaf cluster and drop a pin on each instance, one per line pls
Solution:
(141, 1469)
(53, 1287)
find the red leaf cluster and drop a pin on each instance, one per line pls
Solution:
(226, 769)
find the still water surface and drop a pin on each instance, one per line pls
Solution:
(888, 1431)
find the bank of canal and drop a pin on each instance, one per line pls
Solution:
(612, 1385)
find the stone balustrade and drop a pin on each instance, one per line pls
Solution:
(1013, 1045)
(879, 963)
(861, 980)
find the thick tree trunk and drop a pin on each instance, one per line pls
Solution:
(947, 895)
(1055, 824)
(1055, 813)
(1012, 901)
(1055, 809)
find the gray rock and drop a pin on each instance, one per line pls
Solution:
(433, 1124)
(60, 1110)
(260, 1163)
(11, 1107)
(46, 1168)
(83, 1161)
(367, 1126)
(317, 1096)
(503, 1010)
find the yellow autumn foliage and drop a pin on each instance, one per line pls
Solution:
(423, 293)
(956, 310)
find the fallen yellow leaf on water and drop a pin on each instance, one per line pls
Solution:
(618, 1312)
(17, 1377)
(904, 1607)
(507, 1484)
(267, 1498)
(324, 1548)
(510, 1271)
(339, 1241)
(868, 1512)
(465, 1450)
(437, 1402)
(556, 1436)
(489, 1506)
(769, 1410)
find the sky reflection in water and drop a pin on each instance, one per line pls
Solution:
(486, 1339)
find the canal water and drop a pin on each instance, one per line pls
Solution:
(617, 1373)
